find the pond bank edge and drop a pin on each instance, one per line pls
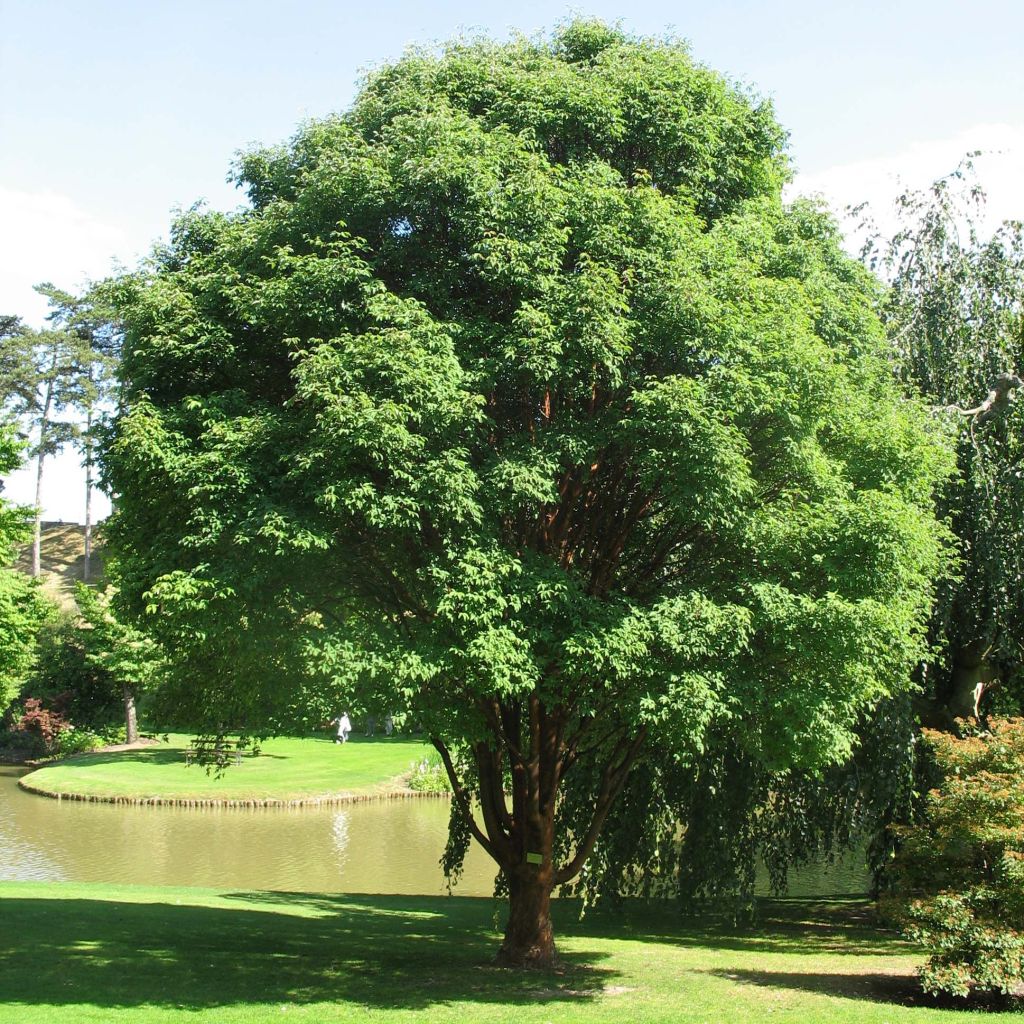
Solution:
(332, 800)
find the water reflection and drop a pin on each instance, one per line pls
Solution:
(339, 833)
(379, 847)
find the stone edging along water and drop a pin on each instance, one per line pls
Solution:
(330, 800)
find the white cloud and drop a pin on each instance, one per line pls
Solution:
(47, 237)
(878, 181)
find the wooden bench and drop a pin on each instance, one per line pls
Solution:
(210, 750)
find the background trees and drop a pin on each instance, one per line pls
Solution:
(123, 655)
(519, 395)
(91, 385)
(954, 315)
(68, 368)
(20, 607)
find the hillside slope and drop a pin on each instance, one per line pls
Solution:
(62, 559)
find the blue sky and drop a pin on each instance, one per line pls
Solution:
(113, 112)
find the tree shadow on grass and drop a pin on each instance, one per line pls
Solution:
(900, 989)
(142, 755)
(148, 756)
(383, 952)
(825, 925)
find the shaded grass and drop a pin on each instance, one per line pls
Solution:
(286, 769)
(102, 953)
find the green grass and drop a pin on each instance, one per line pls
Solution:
(86, 953)
(286, 769)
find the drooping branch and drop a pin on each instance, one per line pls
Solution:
(462, 796)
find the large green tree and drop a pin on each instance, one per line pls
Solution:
(519, 399)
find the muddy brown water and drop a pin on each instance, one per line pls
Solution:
(390, 846)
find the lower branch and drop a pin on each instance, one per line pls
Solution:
(464, 802)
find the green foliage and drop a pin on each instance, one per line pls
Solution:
(960, 871)
(21, 607)
(520, 403)
(429, 776)
(702, 829)
(114, 649)
(953, 319)
(80, 741)
(64, 669)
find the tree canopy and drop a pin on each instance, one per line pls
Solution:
(519, 401)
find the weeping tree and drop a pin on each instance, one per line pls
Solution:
(519, 402)
(707, 831)
(955, 315)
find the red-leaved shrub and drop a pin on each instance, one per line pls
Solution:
(45, 725)
(960, 871)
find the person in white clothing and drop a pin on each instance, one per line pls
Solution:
(344, 727)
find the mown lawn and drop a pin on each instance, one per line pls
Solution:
(286, 769)
(84, 953)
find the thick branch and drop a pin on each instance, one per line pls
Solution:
(614, 778)
(492, 800)
(998, 397)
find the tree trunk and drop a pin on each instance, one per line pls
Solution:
(530, 739)
(37, 521)
(131, 725)
(88, 496)
(529, 939)
(971, 670)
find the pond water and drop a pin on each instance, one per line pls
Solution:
(388, 846)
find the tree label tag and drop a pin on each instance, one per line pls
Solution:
(535, 858)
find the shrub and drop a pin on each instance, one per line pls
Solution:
(77, 741)
(959, 874)
(19, 746)
(44, 725)
(429, 776)
(64, 667)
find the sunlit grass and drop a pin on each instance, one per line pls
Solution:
(285, 769)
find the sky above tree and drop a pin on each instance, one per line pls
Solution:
(114, 113)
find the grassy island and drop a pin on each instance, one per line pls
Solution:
(284, 771)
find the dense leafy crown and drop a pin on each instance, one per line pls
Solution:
(519, 377)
